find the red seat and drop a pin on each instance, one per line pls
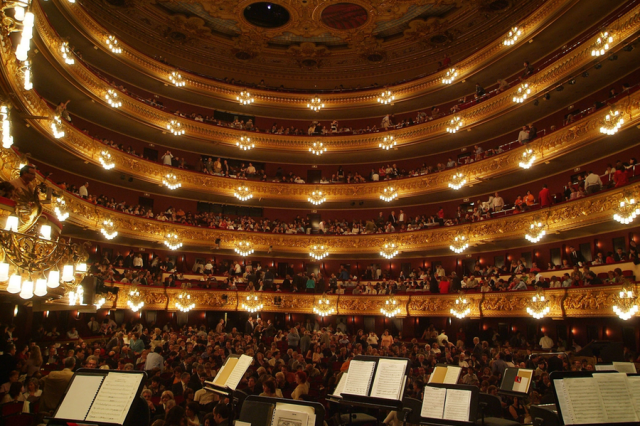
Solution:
(22, 419)
(12, 408)
(627, 273)
(603, 275)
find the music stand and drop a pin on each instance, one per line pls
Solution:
(473, 407)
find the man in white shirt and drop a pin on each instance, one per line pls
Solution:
(592, 183)
(84, 190)
(523, 136)
(166, 158)
(251, 170)
(546, 343)
(498, 203)
(442, 337)
(154, 360)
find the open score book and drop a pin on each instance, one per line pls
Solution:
(232, 371)
(387, 375)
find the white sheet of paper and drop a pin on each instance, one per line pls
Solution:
(615, 396)
(341, 383)
(78, 400)
(238, 372)
(634, 388)
(389, 380)
(453, 375)
(433, 402)
(625, 367)
(564, 402)
(605, 367)
(359, 378)
(457, 405)
(114, 398)
(522, 386)
(585, 400)
(239, 423)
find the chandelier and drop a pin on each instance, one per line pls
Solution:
(72, 281)
(171, 181)
(243, 193)
(538, 306)
(243, 248)
(175, 127)
(522, 93)
(61, 210)
(390, 307)
(173, 241)
(626, 210)
(388, 142)
(458, 180)
(386, 97)
(112, 44)
(612, 122)
(389, 250)
(528, 157)
(99, 300)
(602, 44)
(536, 232)
(112, 99)
(318, 252)
(252, 302)
(389, 194)
(455, 124)
(459, 244)
(136, 300)
(109, 229)
(7, 139)
(184, 302)
(56, 125)
(27, 34)
(512, 36)
(315, 104)
(244, 143)
(451, 75)
(66, 53)
(26, 72)
(317, 148)
(176, 78)
(626, 303)
(244, 98)
(461, 308)
(323, 306)
(316, 198)
(106, 160)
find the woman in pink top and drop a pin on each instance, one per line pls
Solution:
(387, 339)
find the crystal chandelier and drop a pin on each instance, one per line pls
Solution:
(244, 143)
(512, 36)
(318, 252)
(171, 181)
(389, 194)
(56, 125)
(388, 142)
(612, 122)
(323, 306)
(522, 93)
(109, 229)
(461, 308)
(459, 244)
(243, 193)
(455, 124)
(538, 306)
(252, 302)
(112, 44)
(626, 303)
(243, 248)
(389, 250)
(184, 302)
(536, 232)
(136, 300)
(390, 308)
(176, 78)
(316, 198)
(528, 157)
(106, 160)
(61, 210)
(112, 99)
(626, 210)
(317, 148)
(386, 97)
(26, 72)
(175, 127)
(173, 241)
(315, 104)
(99, 300)
(451, 75)
(27, 34)
(244, 98)
(7, 139)
(66, 53)
(458, 180)
(603, 42)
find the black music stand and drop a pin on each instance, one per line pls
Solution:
(253, 401)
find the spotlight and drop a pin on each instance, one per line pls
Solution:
(585, 74)
(598, 66)
(536, 102)
(613, 57)
(560, 88)
(547, 97)
(572, 81)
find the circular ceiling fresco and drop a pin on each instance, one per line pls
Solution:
(344, 16)
(266, 15)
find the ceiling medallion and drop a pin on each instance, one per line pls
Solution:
(627, 209)
(344, 16)
(171, 181)
(7, 139)
(462, 307)
(108, 229)
(245, 143)
(243, 248)
(522, 93)
(388, 142)
(244, 98)
(106, 160)
(458, 180)
(389, 194)
(112, 99)
(318, 252)
(317, 148)
(612, 122)
(389, 251)
(459, 244)
(136, 301)
(184, 302)
(243, 193)
(323, 306)
(252, 302)
(538, 306)
(173, 241)
(386, 97)
(56, 125)
(455, 124)
(528, 157)
(512, 36)
(112, 44)
(66, 53)
(315, 104)
(603, 43)
(316, 198)
(390, 308)
(451, 75)
(626, 302)
(176, 78)
(536, 232)
(175, 128)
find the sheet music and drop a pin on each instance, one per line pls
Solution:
(238, 372)
(457, 405)
(625, 367)
(615, 396)
(341, 383)
(585, 400)
(453, 375)
(634, 389)
(389, 380)
(433, 402)
(224, 372)
(293, 415)
(114, 398)
(359, 378)
(605, 367)
(564, 403)
(77, 401)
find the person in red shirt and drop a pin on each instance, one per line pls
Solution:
(620, 177)
(545, 197)
(444, 286)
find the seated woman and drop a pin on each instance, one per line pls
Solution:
(302, 387)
